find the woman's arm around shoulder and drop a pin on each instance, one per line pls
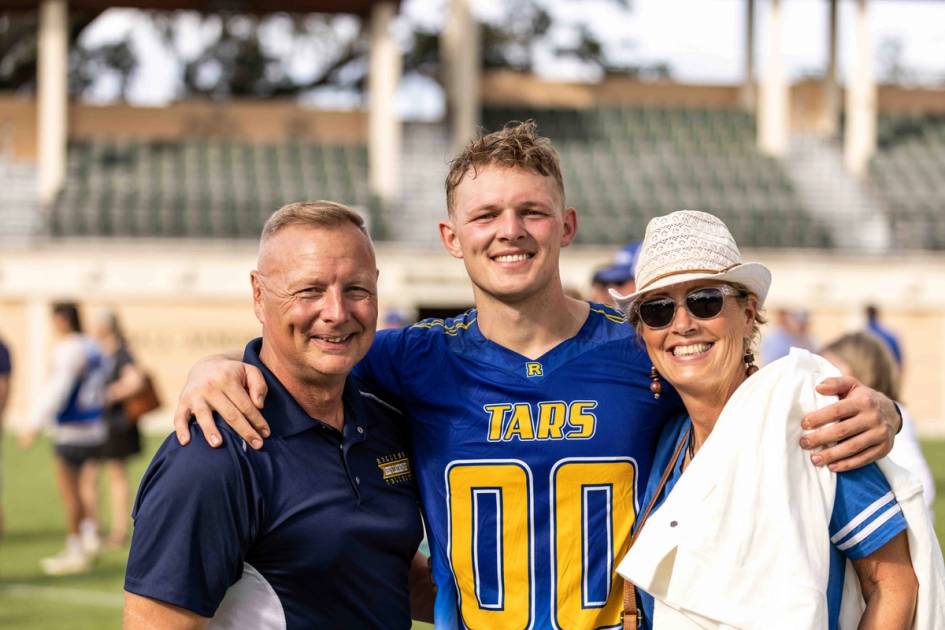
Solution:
(889, 586)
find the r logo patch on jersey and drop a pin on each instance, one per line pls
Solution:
(395, 468)
(533, 368)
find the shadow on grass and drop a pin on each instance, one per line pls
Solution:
(22, 564)
(102, 572)
(29, 536)
(15, 620)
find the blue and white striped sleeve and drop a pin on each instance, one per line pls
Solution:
(865, 513)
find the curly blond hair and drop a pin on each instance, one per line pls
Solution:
(516, 145)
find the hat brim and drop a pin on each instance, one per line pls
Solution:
(752, 275)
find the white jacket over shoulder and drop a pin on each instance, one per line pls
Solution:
(742, 540)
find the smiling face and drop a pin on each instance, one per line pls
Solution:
(508, 226)
(701, 357)
(315, 293)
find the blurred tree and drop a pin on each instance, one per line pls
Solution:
(892, 67)
(526, 31)
(223, 55)
(274, 55)
(87, 66)
(18, 45)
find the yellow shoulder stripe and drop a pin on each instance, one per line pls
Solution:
(449, 330)
(614, 317)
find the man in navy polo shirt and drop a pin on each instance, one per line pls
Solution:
(319, 528)
(6, 369)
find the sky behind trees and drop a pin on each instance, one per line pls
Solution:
(701, 41)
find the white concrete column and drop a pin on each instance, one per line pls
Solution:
(53, 63)
(773, 114)
(859, 141)
(461, 48)
(384, 130)
(747, 93)
(830, 114)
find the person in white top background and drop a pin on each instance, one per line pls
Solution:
(866, 358)
(72, 404)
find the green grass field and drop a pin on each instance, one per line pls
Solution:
(31, 601)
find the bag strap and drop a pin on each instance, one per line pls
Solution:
(631, 615)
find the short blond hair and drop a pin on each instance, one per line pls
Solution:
(517, 145)
(312, 213)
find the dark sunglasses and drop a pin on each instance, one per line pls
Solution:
(702, 303)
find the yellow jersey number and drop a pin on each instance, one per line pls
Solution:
(592, 512)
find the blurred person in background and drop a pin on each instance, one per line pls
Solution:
(617, 276)
(72, 402)
(866, 358)
(394, 318)
(124, 380)
(887, 336)
(6, 370)
(790, 331)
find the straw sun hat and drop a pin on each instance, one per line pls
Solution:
(691, 245)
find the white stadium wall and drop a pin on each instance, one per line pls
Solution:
(180, 301)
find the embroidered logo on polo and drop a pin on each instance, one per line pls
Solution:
(532, 368)
(395, 468)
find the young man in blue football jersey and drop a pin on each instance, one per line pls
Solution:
(533, 425)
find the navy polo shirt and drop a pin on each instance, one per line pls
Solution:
(5, 365)
(318, 528)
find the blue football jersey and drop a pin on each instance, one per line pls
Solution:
(530, 471)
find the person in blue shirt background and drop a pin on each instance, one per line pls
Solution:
(71, 404)
(320, 528)
(619, 275)
(889, 337)
(6, 369)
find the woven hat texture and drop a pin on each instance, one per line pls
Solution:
(691, 245)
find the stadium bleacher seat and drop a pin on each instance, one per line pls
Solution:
(624, 165)
(198, 188)
(908, 173)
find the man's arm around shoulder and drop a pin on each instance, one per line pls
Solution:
(144, 613)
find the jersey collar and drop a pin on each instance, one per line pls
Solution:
(508, 360)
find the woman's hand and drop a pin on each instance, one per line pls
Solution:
(233, 389)
(864, 427)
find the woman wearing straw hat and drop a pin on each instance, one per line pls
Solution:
(737, 529)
